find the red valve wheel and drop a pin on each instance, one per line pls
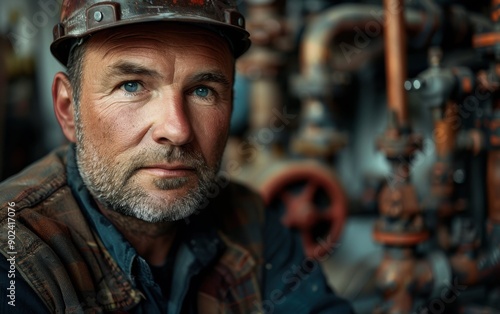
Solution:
(315, 204)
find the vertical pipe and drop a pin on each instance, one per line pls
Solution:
(395, 59)
(263, 63)
(400, 227)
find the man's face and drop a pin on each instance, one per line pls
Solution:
(153, 118)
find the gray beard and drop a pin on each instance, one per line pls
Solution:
(112, 184)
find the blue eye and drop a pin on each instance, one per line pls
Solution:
(131, 87)
(202, 92)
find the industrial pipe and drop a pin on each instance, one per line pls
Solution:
(400, 227)
(395, 60)
(264, 61)
(366, 21)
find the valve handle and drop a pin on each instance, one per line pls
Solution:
(320, 223)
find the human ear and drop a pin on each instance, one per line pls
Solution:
(62, 97)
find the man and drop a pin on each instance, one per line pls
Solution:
(129, 217)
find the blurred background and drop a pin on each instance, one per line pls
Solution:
(376, 125)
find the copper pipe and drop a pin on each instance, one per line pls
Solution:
(395, 59)
(442, 185)
(366, 21)
(315, 84)
(400, 227)
(445, 131)
(463, 267)
(324, 28)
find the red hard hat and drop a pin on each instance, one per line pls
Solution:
(80, 18)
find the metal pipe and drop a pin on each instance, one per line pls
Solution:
(437, 268)
(263, 63)
(468, 265)
(366, 20)
(400, 227)
(395, 59)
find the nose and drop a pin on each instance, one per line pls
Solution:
(172, 122)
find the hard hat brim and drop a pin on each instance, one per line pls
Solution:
(238, 38)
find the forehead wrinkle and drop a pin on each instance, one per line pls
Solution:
(160, 35)
(150, 48)
(154, 45)
(110, 48)
(123, 67)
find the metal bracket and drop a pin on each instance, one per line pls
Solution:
(102, 14)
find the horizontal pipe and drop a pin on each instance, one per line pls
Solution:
(367, 22)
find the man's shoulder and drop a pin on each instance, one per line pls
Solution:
(246, 203)
(244, 192)
(35, 183)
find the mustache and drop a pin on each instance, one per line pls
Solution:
(185, 155)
